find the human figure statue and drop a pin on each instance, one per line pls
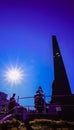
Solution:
(12, 104)
(39, 100)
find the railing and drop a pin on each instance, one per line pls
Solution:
(45, 97)
(33, 106)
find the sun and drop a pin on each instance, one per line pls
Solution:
(14, 75)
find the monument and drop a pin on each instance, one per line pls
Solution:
(61, 91)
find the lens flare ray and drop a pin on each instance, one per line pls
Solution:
(14, 75)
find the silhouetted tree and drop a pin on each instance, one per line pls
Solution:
(39, 100)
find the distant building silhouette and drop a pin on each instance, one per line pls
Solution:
(61, 92)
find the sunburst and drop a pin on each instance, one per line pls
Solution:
(14, 75)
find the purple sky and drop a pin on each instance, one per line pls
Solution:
(25, 34)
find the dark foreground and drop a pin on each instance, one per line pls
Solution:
(37, 124)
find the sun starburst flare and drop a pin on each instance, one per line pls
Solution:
(14, 75)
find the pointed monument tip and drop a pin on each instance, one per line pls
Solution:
(53, 36)
(54, 39)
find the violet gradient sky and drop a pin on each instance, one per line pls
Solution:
(26, 27)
